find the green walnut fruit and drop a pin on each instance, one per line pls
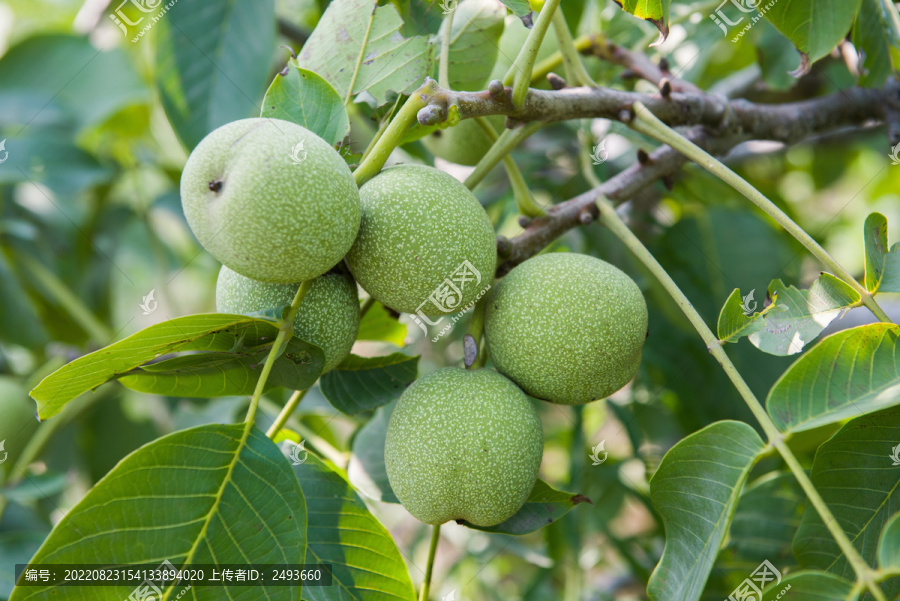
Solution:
(425, 243)
(567, 328)
(328, 316)
(463, 445)
(463, 144)
(271, 200)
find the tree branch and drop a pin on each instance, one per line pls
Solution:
(719, 125)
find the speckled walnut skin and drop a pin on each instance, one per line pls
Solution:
(260, 213)
(567, 328)
(418, 226)
(463, 445)
(328, 316)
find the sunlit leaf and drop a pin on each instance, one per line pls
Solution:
(847, 374)
(882, 262)
(365, 562)
(378, 324)
(202, 496)
(696, 489)
(544, 506)
(366, 383)
(794, 318)
(857, 473)
(305, 98)
(213, 63)
(234, 350)
(358, 45)
(655, 11)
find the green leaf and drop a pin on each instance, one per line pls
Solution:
(766, 518)
(882, 263)
(696, 489)
(366, 468)
(19, 323)
(847, 374)
(213, 63)
(366, 564)
(235, 349)
(474, 43)
(810, 585)
(305, 98)
(378, 324)
(358, 44)
(794, 318)
(522, 9)
(365, 383)
(889, 544)
(856, 472)
(544, 506)
(814, 26)
(40, 86)
(213, 494)
(874, 37)
(655, 11)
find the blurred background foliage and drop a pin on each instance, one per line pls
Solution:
(98, 127)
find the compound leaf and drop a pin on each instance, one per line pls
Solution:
(366, 564)
(203, 496)
(357, 47)
(234, 348)
(696, 489)
(847, 374)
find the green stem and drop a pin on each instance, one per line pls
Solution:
(615, 224)
(367, 304)
(571, 58)
(444, 65)
(509, 139)
(95, 328)
(541, 69)
(475, 329)
(646, 122)
(388, 141)
(286, 413)
(524, 200)
(284, 335)
(432, 551)
(519, 74)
